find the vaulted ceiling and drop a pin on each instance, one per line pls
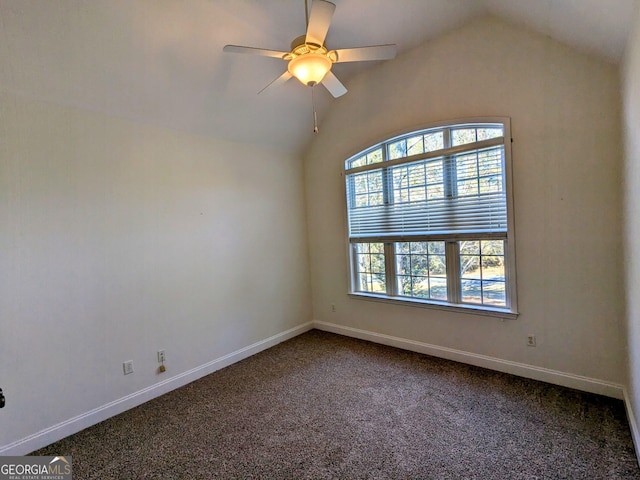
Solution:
(161, 61)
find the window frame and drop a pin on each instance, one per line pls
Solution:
(451, 239)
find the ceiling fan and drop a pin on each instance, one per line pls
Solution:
(309, 60)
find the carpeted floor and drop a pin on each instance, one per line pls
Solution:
(323, 406)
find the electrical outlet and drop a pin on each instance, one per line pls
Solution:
(333, 307)
(161, 357)
(531, 340)
(127, 367)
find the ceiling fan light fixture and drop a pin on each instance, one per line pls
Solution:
(310, 68)
(309, 59)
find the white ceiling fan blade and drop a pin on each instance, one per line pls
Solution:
(319, 21)
(278, 81)
(254, 51)
(335, 86)
(363, 54)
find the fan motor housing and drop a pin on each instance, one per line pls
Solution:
(299, 47)
(298, 41)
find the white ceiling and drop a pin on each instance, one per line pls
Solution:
(161, 61)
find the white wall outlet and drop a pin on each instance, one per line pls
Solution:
(161, 357)
(531, 340)
(127, 367)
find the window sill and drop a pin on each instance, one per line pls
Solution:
(412, 302)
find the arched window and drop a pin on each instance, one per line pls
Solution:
(430, 218)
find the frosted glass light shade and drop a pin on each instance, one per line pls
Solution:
(309, 68)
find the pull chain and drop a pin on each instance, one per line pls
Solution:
(313, 103)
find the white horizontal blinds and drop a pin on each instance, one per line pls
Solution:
(461, 192)
(474, 214)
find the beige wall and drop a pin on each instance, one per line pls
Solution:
(631, 101)
(118, 240)
(565, 111)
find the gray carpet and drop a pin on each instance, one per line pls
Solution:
(323, 406)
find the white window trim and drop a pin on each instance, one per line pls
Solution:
(509, 313)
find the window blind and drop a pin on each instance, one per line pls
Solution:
(460, 194)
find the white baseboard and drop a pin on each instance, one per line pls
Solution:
(633, 425)
(85, 420)
(555, 377)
